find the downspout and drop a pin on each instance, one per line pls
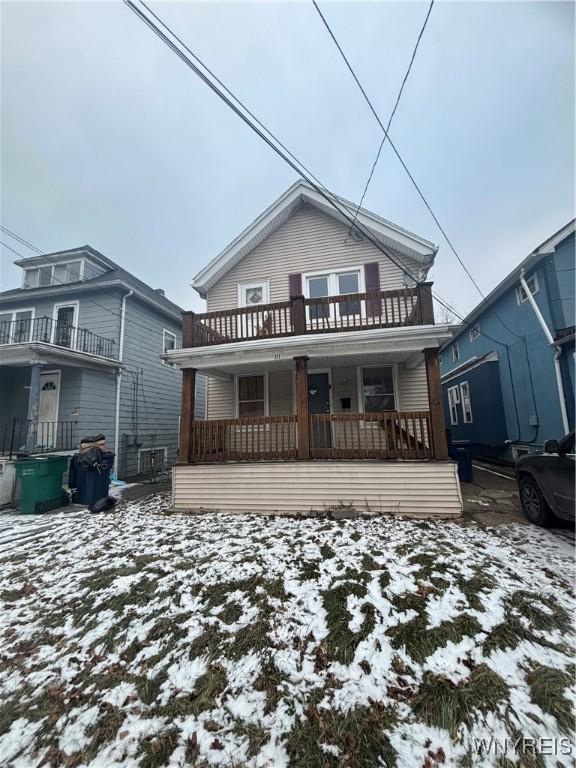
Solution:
(119, 380)
(557, 351)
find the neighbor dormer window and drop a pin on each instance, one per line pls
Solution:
(53, 274)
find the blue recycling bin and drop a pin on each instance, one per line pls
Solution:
(90, 485)
(461, 452)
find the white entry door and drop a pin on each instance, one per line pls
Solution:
(48, 409)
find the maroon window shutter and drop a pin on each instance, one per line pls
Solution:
(372, 284)
(295, 284)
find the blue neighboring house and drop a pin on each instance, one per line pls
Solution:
(508, 373)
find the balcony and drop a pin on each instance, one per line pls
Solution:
(301, 316)
(45, 330)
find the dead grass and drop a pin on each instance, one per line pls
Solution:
(341, 642)
(547, 688)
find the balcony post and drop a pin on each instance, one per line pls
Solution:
(187, 415)
(439, 445)
(298, 314)
(425, 305)
(33, 408)
(188, 329)
(302, 407)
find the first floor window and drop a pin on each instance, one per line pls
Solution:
(378, 389)
(453, 400)
(466, 404)
(251, 396)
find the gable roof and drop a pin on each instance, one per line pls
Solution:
(404, 243)
(113, 276)
(512, 280)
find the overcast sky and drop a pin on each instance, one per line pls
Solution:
(108, 139)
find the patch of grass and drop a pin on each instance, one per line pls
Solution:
(157, 752)
(149, 687)
(253, 637)
(472, 587)
(269, 681)
(547, 687)
(208, 688)
(103, 730)
(360, 736)
(355, 536)
(368, 563)
(341, 642)
(327, 552)
(443, 704)
(420, 641)
(506, 635)
(384, 580)
(527, 605)
(231, 613)
(429, 564)
(309, 570)
(255, 735)
(207, 644)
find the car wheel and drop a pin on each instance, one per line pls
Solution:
(533, 503)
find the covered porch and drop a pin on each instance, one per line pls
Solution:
(369, 395)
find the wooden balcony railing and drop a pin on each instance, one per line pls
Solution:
(351, 312)
(391, 435)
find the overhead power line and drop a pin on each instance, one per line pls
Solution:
(386, 137)
(407, 74)
(5, 245)
(20, 239)
(272, 142)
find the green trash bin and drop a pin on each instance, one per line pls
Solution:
(41, 482)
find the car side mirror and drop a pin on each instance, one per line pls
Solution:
(551, 446)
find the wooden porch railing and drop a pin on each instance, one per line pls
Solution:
(255, 438)
(390, 435)
(351, 312)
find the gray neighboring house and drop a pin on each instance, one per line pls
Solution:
(80, 347)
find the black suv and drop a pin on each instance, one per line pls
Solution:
(546, 482)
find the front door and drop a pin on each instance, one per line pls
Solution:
(48, 409)
(318, 403)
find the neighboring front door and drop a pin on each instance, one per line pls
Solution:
(48, 409)
(319, 402)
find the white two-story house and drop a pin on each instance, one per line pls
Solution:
(321, 354)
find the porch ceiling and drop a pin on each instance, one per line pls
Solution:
(398, 345)
(40, 353)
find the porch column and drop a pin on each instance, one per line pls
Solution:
(439, 445)
(302, 407)
(188, 393)
(33, 408)
(187, 414)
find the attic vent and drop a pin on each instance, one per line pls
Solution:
(161, 291)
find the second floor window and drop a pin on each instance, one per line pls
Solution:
(319, 286)
(53, 274)
(168, 342)
(455, 352)
(532, 283)
(475, 332)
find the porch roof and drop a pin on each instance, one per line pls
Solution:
(43, 353)
(323, 350)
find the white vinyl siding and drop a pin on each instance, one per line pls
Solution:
(309, 241)
(413, 388)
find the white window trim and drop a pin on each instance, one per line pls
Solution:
(238, 376)
(15, 312)
(166, 332)
(453, 402)
(359, 382)
(465, 385)
(264, 284)
(474, 332)
(52, 268)
(61, 305)
(520, 289)
(155, 448)
(455, 352)
(333, 288)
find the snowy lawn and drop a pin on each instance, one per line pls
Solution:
(146, 639)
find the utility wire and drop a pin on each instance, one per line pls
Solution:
(5, 245)
(20, 239)
(397, 153)
(295, 164)
(387, 129)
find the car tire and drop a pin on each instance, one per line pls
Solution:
(533, 503)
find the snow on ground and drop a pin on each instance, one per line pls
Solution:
(142, 638)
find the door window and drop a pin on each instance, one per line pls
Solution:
(378, 389)
(63, 335)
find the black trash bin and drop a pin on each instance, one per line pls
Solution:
(461, 452)
(90, 485)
